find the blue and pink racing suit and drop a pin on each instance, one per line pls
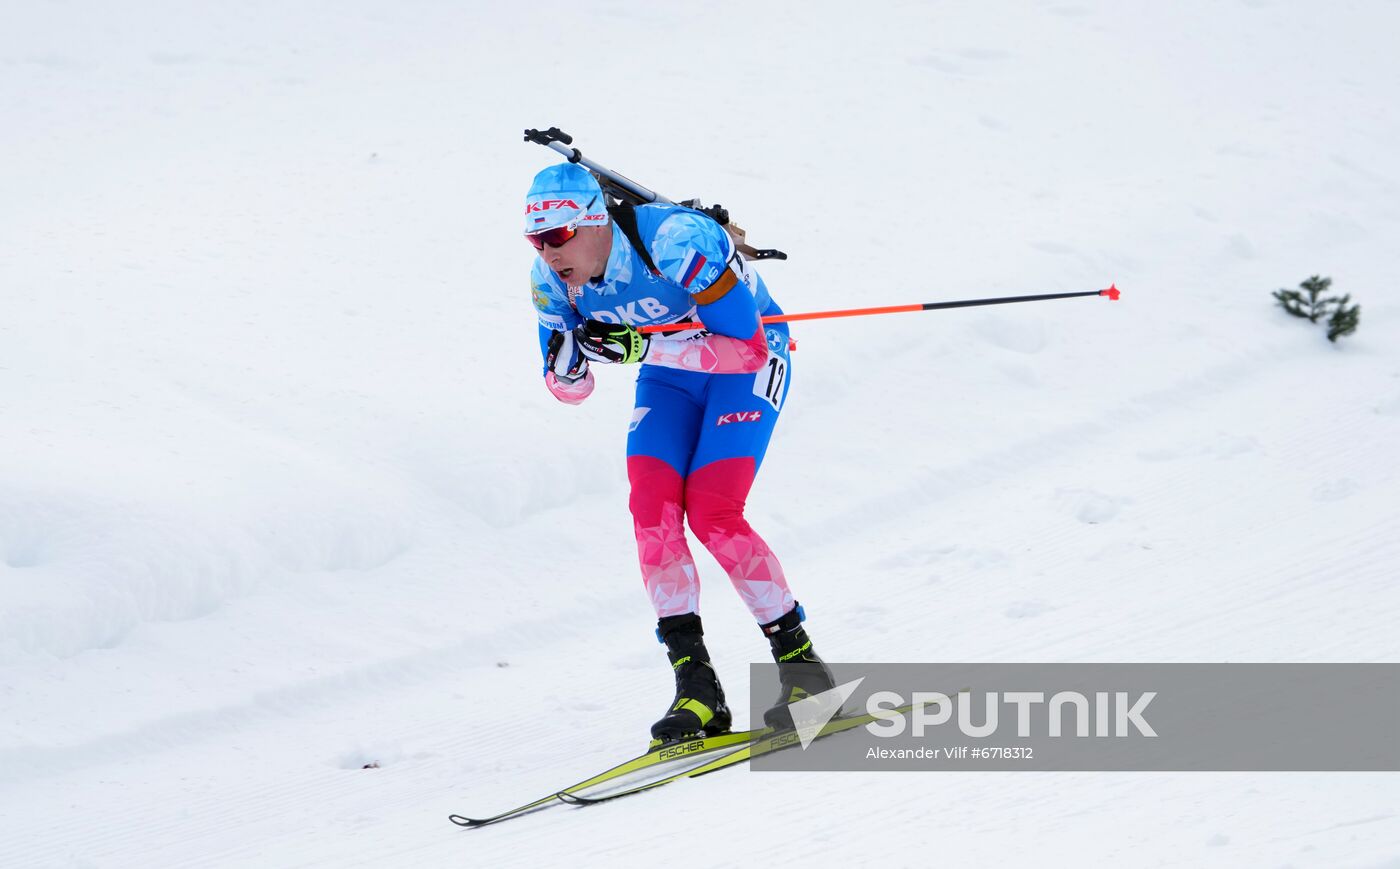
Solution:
(706, 402)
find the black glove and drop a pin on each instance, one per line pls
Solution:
(563, 358)
(611, 342)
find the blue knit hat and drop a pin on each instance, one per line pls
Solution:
(561, 194)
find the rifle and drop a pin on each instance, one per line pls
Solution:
(621, 189)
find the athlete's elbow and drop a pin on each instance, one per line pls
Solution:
(751, 361)
(755, 352)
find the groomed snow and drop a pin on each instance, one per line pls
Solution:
(281, 493)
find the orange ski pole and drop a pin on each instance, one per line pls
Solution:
(1112, 292)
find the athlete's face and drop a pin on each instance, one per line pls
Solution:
(582, 257)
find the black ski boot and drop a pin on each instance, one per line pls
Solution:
(800, 672)
(699, 708)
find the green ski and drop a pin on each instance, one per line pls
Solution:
(759, 745)
(668, 755)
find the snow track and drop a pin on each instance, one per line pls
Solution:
(281, 495)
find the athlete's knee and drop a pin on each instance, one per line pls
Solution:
(710, 513)
(715, 496)
(655, 484)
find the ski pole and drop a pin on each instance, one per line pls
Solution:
(1112, 292)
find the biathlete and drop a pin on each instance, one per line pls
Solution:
(706, 404)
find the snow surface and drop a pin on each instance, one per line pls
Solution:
(281, 493)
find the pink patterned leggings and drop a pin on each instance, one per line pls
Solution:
(712, 500)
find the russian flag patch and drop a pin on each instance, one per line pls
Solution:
(690, 268)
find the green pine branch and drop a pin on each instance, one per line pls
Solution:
(1344, 320)
(1312, 305)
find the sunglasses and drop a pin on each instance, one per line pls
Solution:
(554, 237)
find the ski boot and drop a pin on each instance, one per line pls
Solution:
(699, 708)
(800, 672)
